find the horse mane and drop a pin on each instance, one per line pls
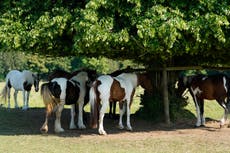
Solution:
(91, 73)
(118, 72)
(58, 73)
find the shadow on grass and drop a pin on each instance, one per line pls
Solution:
(19, 122)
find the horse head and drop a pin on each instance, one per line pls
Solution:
(92, 75)
(184, 82)
(81, 77)
(36, 81)
(182, 85)
(144, 80)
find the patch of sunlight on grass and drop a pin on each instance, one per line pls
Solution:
(36, 101)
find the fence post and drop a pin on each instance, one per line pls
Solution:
(165, 95)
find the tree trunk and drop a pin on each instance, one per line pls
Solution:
(165, 96)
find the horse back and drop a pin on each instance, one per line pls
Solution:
(211, 87)
(71, 91)
(59, 74)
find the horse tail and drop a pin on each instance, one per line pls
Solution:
(48, 99)
(94, 103)
(4, 92)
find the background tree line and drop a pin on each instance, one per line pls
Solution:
(46, 64)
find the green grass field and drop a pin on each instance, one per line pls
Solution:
(19, 133)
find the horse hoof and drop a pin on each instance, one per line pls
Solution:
(82, 127)
(121, 127)
(71, 127)
(24, 109)
(59, 130)
(43, 130)
(195, 126)
(221, 126)
(129, 128)
(102, 132)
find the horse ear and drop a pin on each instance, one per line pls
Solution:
(36, 76)
(185, 80)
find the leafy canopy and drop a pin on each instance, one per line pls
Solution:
(179, 32)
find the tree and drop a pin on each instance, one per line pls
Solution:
(150, 31)
(158, 31)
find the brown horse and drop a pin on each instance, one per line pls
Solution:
(109, 89)
(210, 87)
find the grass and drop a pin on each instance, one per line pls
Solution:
(19, 133)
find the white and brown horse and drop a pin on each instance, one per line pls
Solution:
(62, 91)
(210, 87)
(109, 89)
(20, 81)
(112, 104)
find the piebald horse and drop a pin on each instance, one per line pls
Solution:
(112, 104)
(92, 75)
(20, 81)
(109, 89)
(61, 91)
(210, 87)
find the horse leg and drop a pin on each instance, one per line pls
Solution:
(129, 127)
(114, 109)
(57, 125)
(101, 117)
(198, 123)
(122, 106)
(80, 115)
(9, 98)
(26, 95)
(15, 99)
(72, 113)
(44, 128)
(27, 99)
(110, 109)
(222, 104)
(202, 118)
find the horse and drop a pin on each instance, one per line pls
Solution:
(20, 81)
(112, 104)
(62, 91)
(210, 87)
(107, 89)
(92, 75)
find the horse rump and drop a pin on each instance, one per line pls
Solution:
(49, 99)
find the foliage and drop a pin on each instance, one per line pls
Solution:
(158, 31)
(154, 107)
(10, 60)
(150, 33)
(46, 64)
